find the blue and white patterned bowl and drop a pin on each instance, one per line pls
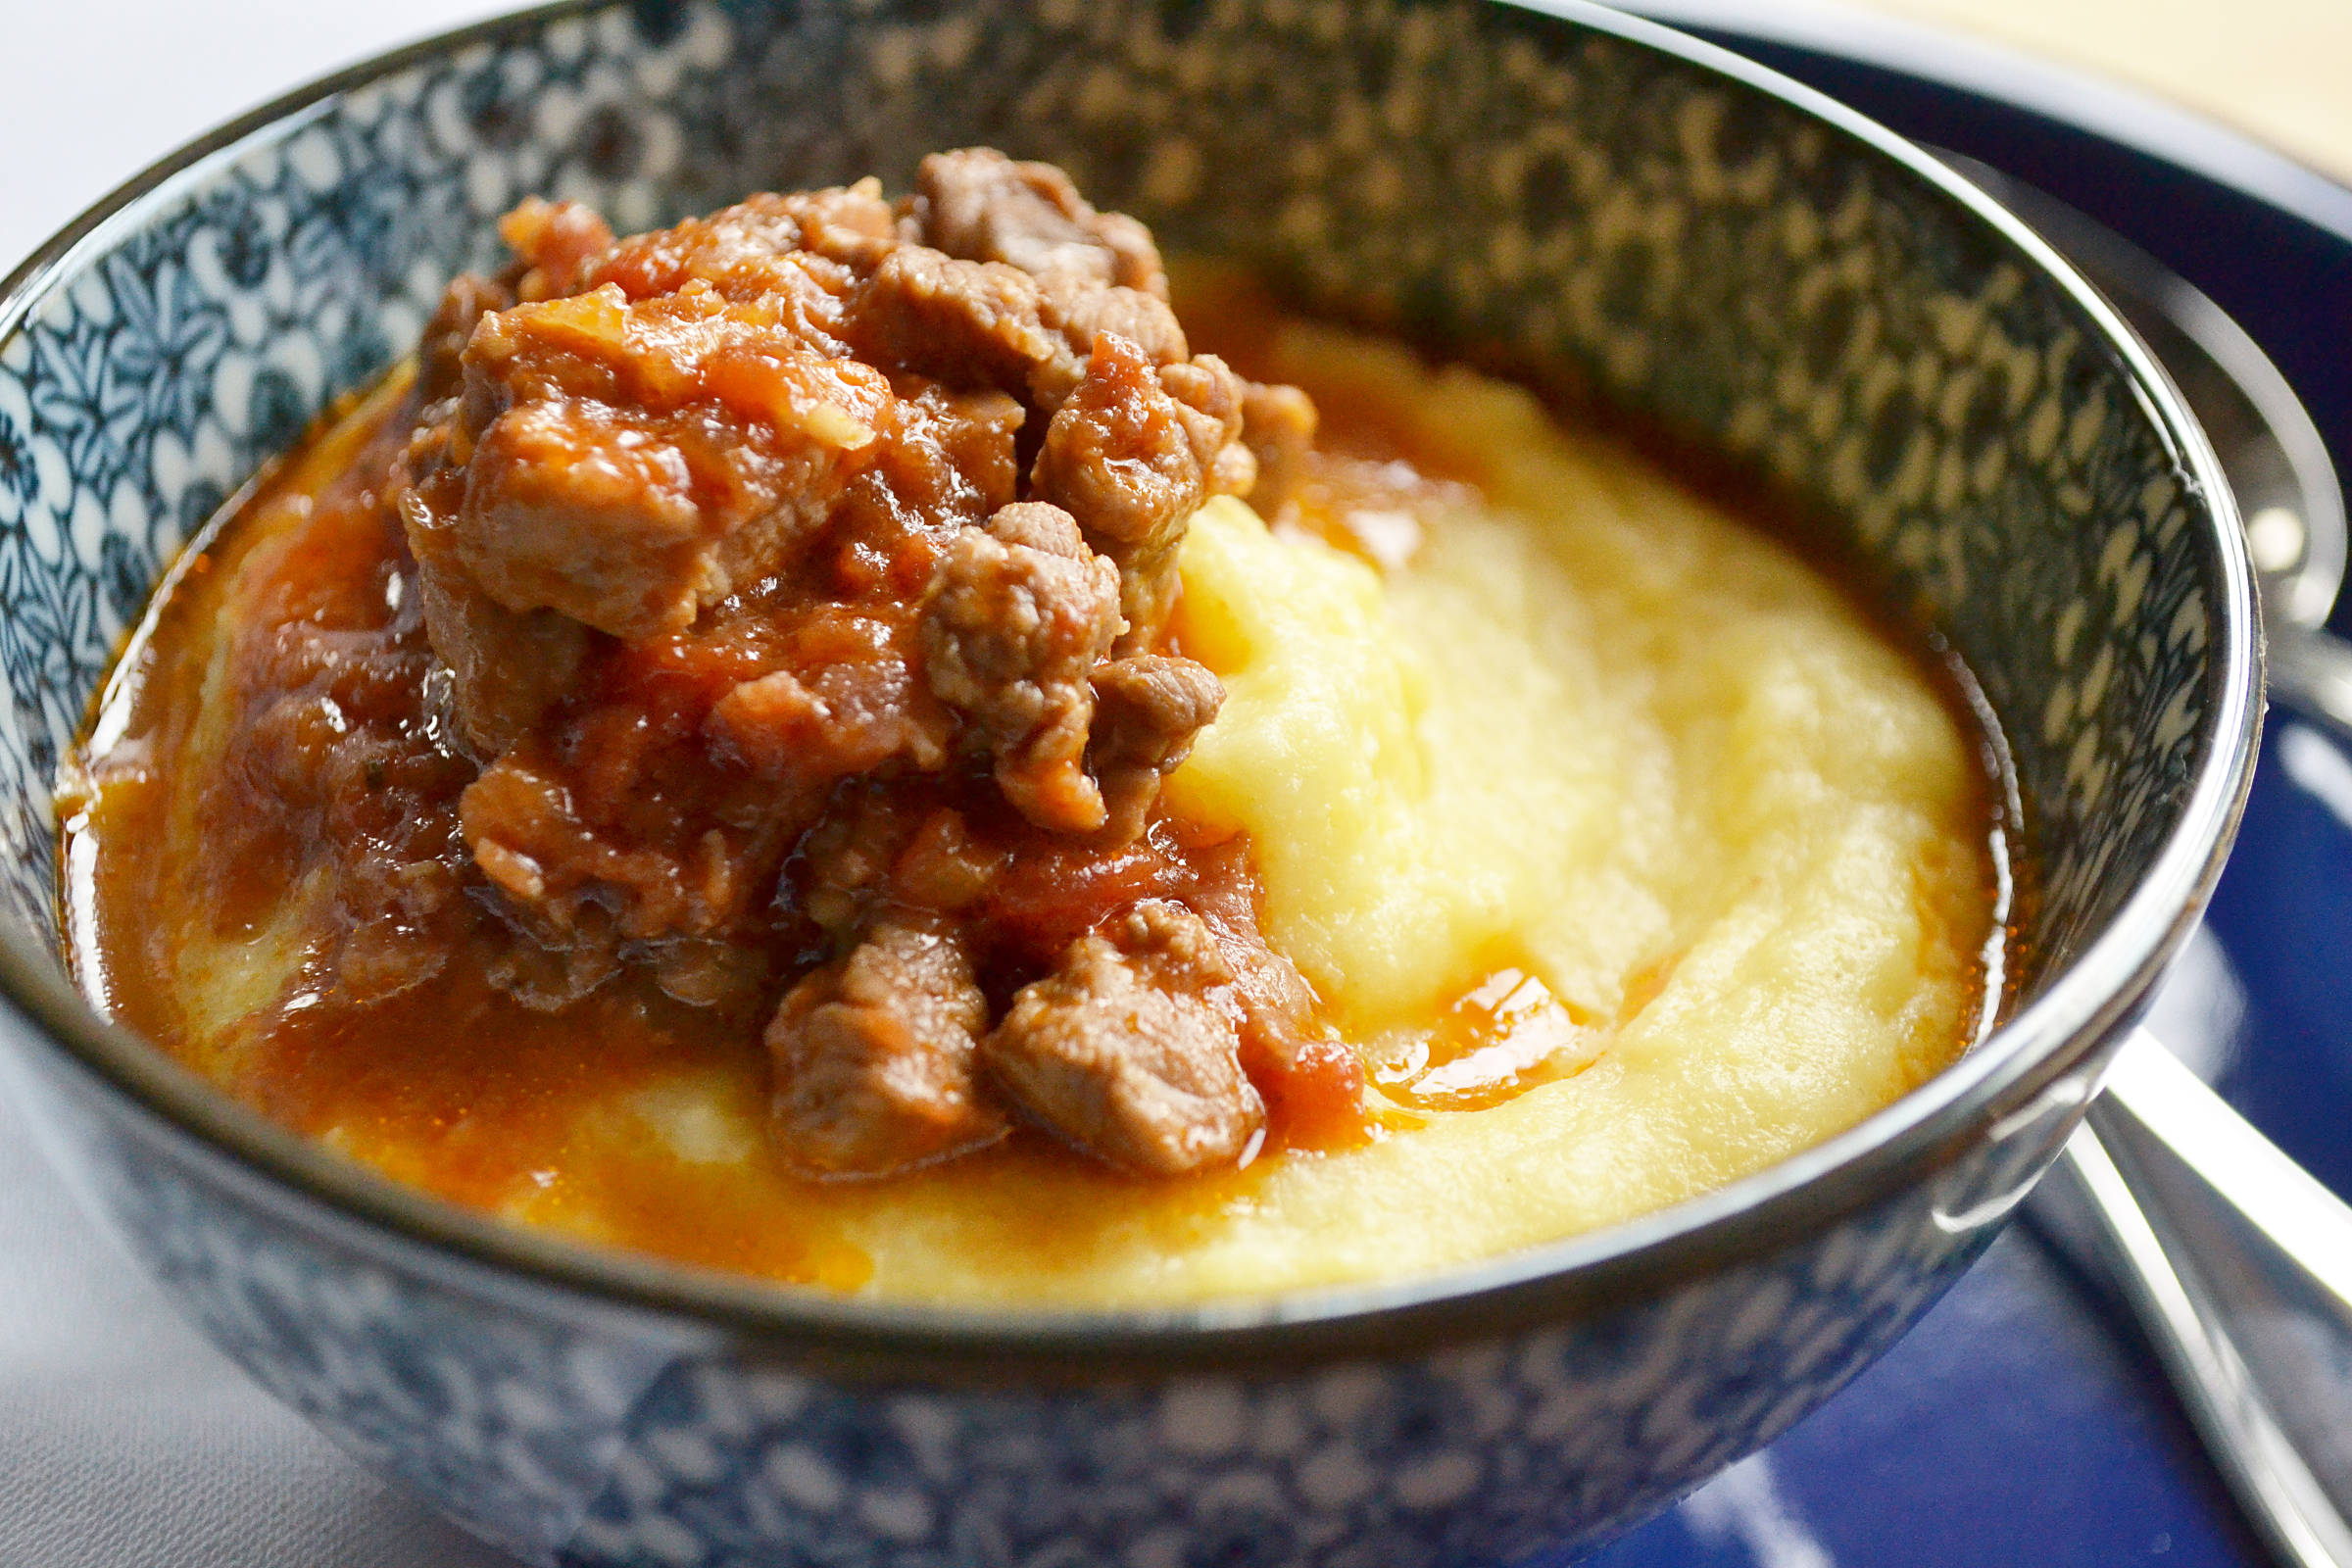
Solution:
(1609, 206)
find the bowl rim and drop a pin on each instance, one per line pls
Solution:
(2085, 1007)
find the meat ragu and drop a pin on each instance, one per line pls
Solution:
(762, 624)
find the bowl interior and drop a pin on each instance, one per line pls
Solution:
(1611, 214)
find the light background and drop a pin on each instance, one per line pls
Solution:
(125, 1441)
(2277, 69)
(90, 90)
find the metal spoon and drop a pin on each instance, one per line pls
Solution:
(2237, 1262)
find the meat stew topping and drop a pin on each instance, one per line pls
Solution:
(774, 611)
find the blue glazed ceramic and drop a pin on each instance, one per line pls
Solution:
(1609, 207)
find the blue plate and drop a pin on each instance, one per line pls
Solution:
(2025, 1421)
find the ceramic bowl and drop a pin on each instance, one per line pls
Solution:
(1609, 204)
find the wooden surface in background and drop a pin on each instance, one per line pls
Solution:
(2280, 70)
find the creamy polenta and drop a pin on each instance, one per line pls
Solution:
(1600, 732)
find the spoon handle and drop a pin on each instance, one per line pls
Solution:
(2239, 1266)
(2311, 671)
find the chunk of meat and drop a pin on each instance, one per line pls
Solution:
(850, 701)
(1278, 426)
(967, 323)
(1016, 621)
(552, 242)
(1148, 708)
(507, 667)
(467, 299)
(1120, 459)
(1080, 312)
(1117, 458)
(1312, 1079)
(854, 226)
(1083, 312)
(1123, 1052)
(979, 204)
(991, 323)
(945, 867)
(873, 1058)
(577, 875)
(763, 245)
(976, 431)
(844, 865)
(572, 508)
(626, 464)
(1208, 405)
